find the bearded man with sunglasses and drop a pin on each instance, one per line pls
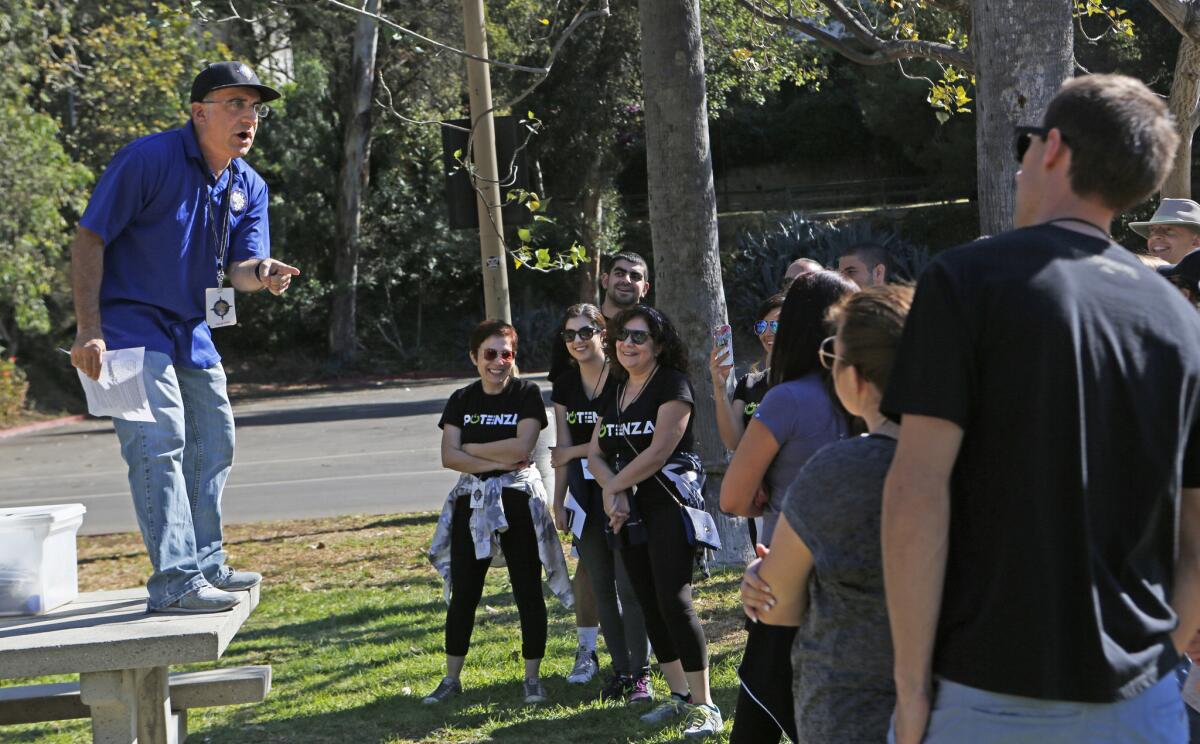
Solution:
(1041, 518)
(174, 215)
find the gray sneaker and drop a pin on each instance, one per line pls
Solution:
(703, 720)
(534, 692)
(585, 667)
(205, 599)
(447, 688)
(238, 581)
(673, 707)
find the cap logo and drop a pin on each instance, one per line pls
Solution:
(244, 71)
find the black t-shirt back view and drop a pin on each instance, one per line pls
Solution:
(487, 418)
(1074, 373)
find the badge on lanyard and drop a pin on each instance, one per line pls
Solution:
(219, 309)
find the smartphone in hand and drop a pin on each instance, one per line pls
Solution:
(723, 342)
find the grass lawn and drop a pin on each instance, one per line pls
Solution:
(351, 620)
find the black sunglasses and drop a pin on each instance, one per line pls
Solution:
(636, 337)
(1025, 135)
(585, 334)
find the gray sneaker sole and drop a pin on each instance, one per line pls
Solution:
(177, 610)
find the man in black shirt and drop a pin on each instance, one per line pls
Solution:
(1041, 519)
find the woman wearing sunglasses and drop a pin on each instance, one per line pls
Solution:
(797, 417)
(824, 571)
(578, 397)
(489, 429)
(734, 413)
(641, 455)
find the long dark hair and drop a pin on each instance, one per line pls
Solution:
(672, 352)
(804, 324)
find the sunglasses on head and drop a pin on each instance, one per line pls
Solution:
(491, 354)
(635, 337)
(1025, 135)
(585, 334)
(761, 326)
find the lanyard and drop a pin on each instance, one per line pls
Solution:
(221, 232)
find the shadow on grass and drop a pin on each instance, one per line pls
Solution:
(397, 521)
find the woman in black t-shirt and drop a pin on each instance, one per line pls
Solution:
(644, 427)
(579, 395)
(489, 429)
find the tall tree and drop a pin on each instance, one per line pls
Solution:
(683, 213)
(352, 182)
(1184, 100)
(1019, 51)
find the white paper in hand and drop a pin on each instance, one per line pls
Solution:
(119, 392)
(575, 515)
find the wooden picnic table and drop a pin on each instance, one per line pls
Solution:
(122, 654)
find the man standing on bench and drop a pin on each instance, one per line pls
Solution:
(174, 215)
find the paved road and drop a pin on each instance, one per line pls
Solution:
(368, 451)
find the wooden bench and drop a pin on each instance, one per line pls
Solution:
(58, 702)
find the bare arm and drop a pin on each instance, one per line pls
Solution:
(247, 276)
(785, 569)
(454, 458)
(729, 423)
(916, 526)
(562, 440)
(515, 449)
(564, 450)
(747, 469)
(597, 462)
(1185, 599)
(669, 427)
(87, 271)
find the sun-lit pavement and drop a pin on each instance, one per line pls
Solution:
(366, 451)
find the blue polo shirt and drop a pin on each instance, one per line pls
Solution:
(161, 242)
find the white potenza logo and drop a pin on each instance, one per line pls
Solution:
(582, 417)
(489, 419)
(237, 200)
(631, 429)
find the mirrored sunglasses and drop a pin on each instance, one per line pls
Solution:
(761, 326)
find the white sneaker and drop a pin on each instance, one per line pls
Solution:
(205, 599)
(585, 668)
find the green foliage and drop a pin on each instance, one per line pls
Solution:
(40, 184)
(13, 387)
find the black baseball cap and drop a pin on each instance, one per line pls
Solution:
(1188, 269)
(229, 75)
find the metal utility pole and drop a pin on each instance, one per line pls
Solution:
(483, 155)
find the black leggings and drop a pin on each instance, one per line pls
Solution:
(467, 573)
(661, 572)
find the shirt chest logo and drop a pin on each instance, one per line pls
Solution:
(237, 200)
(490, 419)
(631, 429)
(581, 417)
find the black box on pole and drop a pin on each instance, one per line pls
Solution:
(460, 196)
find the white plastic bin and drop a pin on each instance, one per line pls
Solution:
(37, 557)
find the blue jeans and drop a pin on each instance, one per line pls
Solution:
(1193, 716)
(973, 716)
(177, 469)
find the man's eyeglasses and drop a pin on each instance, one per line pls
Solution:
(761, 326)
(585, 334)
(636, 338)
(634, 276)
(491, 354)
(1025, 135)
(239, 106)
(826, 356)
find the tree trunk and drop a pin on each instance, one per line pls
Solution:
(683, 217)
(1185, 95)
(352, 184)
(593, 229)
(1023, 53)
